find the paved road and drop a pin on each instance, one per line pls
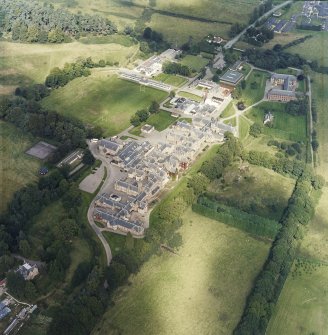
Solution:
(97, 230)
(229, 44)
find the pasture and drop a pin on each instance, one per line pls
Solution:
(285, 126)
(211, 275)
(255, 190)
(16, 168)
(320, 94)
(303, 303)
(103, 100)
(255, 86)
(31, 63)
(171, 79)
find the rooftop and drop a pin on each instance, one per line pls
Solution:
(232, 77)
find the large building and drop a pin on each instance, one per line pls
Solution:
(231, 78)
(284, 87)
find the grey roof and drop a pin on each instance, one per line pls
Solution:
(4, 312)
(282, 92)
(232, 77)
(109, 145)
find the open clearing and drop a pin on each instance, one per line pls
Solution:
(302, 305)
(195, 63)
(33, 62)
(211, 276)
(190, 96)
(16, 168)
(285, 126)
(102, 100)
(259, 191)
(252, 95)
(229, 111)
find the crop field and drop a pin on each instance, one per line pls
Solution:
(211, 275)
(102, 100)
(251, 95)
(285, 126)
(171, 79)
(24, 63)
(16, 168)
(195, 63)
(303, 304)
(256, 190)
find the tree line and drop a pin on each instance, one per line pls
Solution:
(258, 36)
(33, 21)
(251, 223)
(143, 114)
(176, 68)
(269, 283)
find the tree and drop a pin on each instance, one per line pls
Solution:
(88, 158)
(154, 107)
(15, 284)
(142, 114)
(24, 248)
(315, 144)
(243, 84)
(116, 274)
(147, 34)
(135, 121)
(256, 129)
(198, 183)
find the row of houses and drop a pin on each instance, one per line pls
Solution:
(147, 169)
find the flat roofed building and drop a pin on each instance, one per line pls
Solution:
(231, 78)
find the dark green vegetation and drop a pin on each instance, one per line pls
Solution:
(176, 68)
(34, 22)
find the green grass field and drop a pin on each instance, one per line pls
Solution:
(285, 126)
(244, 126)
(33, 62)
(195, 63)
(190, 96)
(170, 79)
(259, 191)
(229, 111)
(16, 168)
(200, 291)
(251, 95)
(232, 121)
(302, 305)
(102, 100)
(160, 121)
(320, 94)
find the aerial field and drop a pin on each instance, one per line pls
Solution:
(285, 126)
(33, 62)
(228, 111)
(303, 303)
(103, 100)
(190, 96)
(16, 168)
(177, 31)
(259, 191)
(211, 275)
(244, 126)
(195, 63)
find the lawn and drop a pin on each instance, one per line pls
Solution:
(195, 63)
(303, 304)
(243, 128)
(255, 190)
(231, 122)
(33, 62)
(229, 111)
(255, 86)
(211, 275)
(115, 241)
(102, 100)
(160, 121)
(285, 126)
(190, 96)
(171, 79)
(16, 168)
(246, 69)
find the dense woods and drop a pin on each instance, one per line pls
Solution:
(176, 68)
(33, 21)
